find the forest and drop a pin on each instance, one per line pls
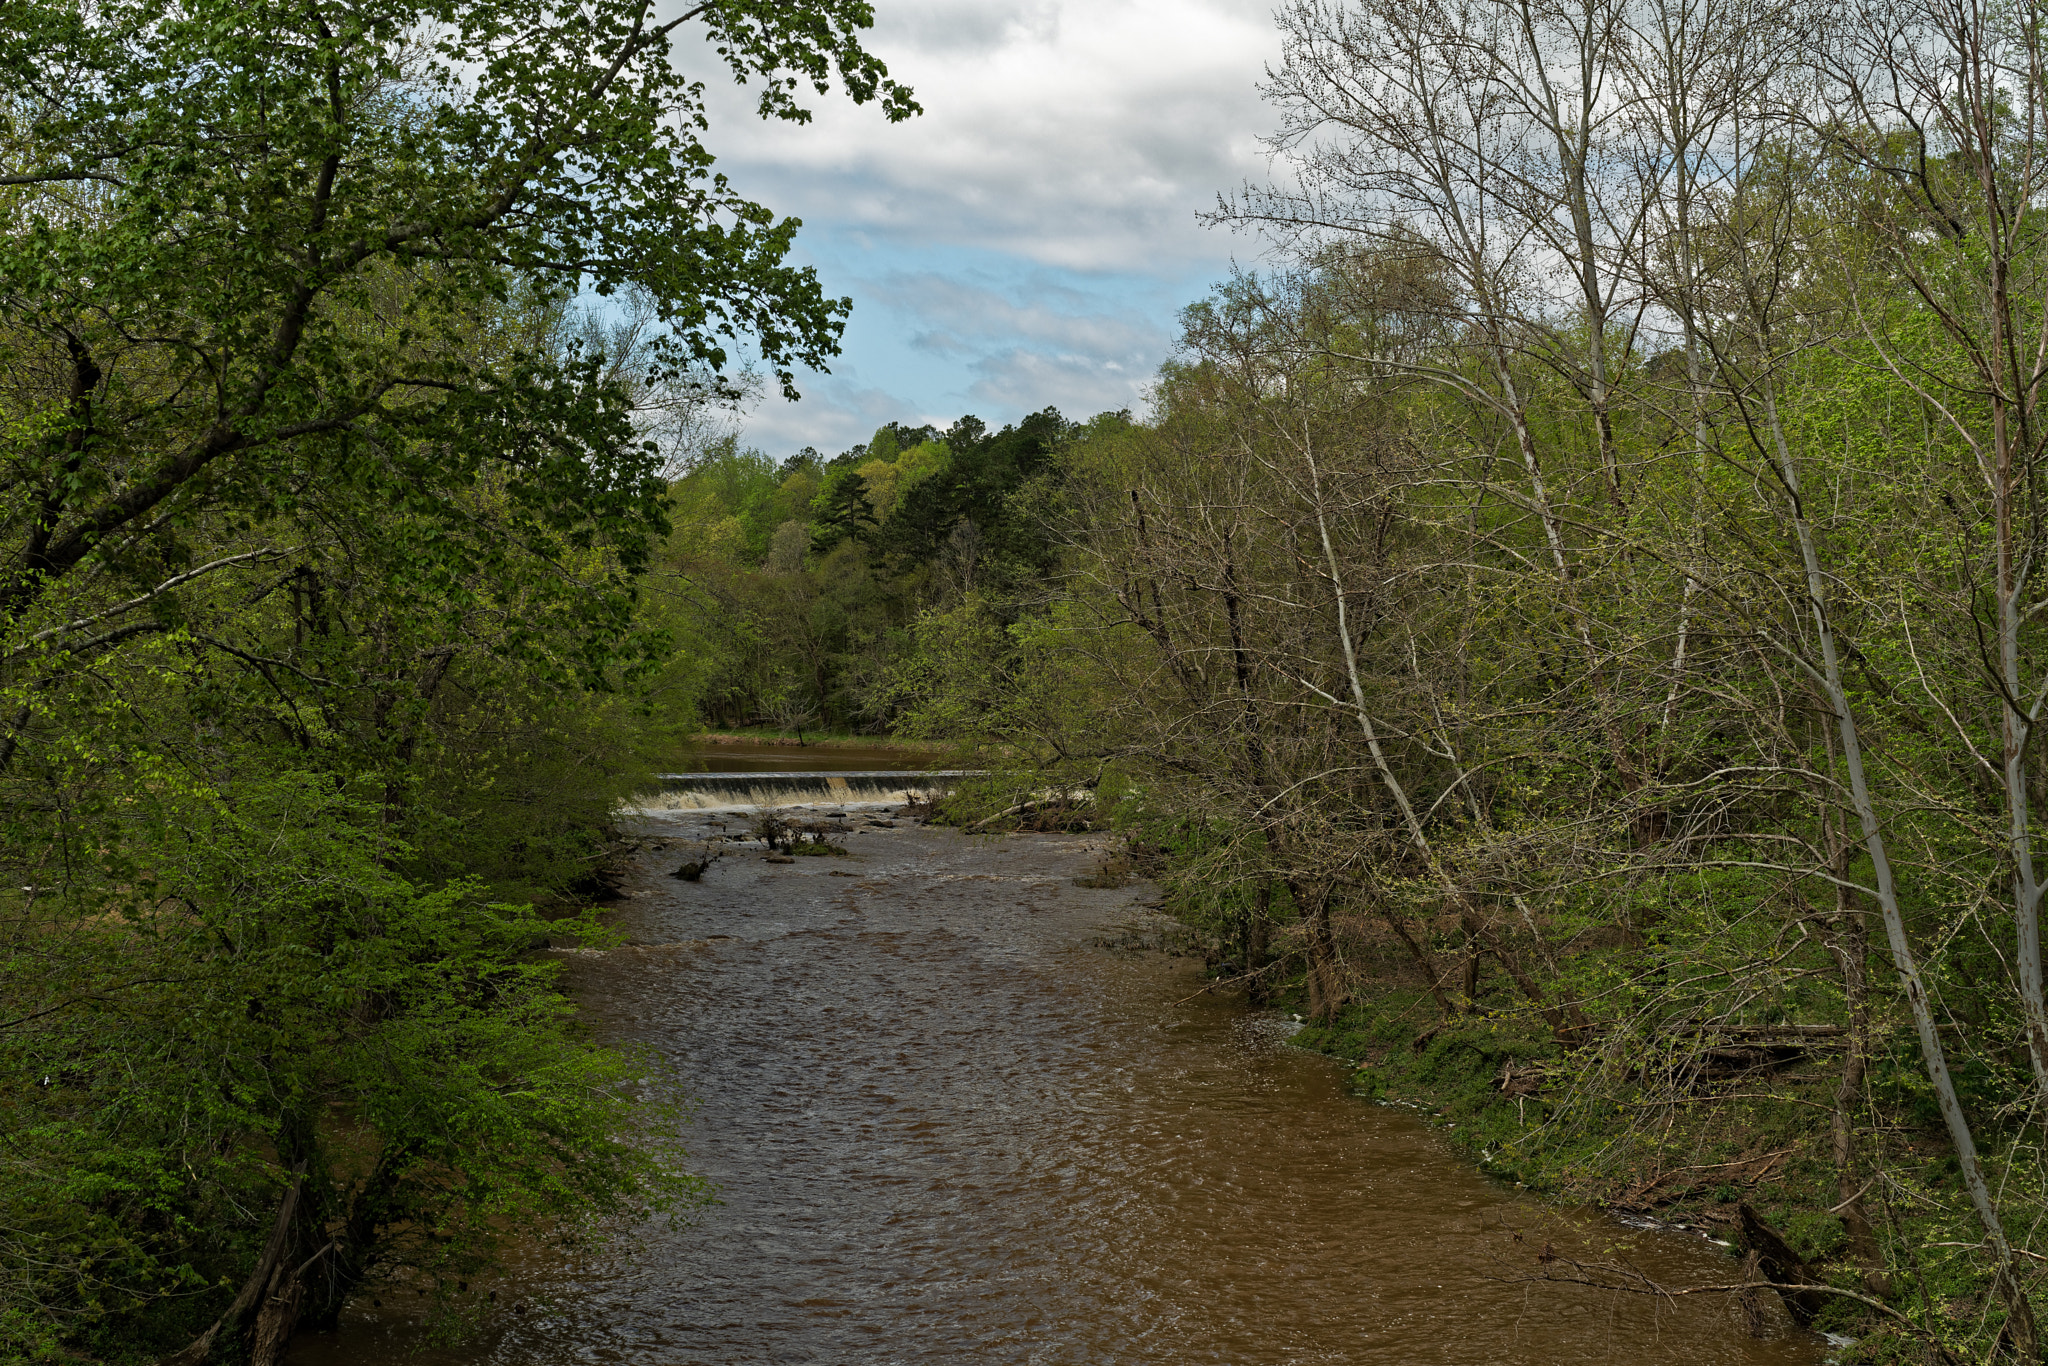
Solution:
(800, 586)
(1564, 624)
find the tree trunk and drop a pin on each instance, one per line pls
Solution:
(1255, 937)
(277, 1318)
(1470, 986)
(1325, 979)
(1852, 950)
(254, 1297)
(1782, 1267)
(2020, 1321)
(1568, 1024)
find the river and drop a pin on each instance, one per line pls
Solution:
(949, 1126)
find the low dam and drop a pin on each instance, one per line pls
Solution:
(714, 791)
(725, 775)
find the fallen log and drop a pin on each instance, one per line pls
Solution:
(1020, 809)
(1680, 1182)
(254, 1290)
(1794, 1278)
(1773, 1031)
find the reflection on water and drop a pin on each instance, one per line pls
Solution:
(948, 1129)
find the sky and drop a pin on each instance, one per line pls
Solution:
(1029, 239)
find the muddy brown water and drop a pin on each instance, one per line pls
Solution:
(947, 1126)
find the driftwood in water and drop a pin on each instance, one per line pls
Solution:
(270, 1281)
(782, 836)
(1042, 814)
(1020, 809)
(694, 869)
(1781, 1266)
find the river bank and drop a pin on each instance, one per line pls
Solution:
(1574, 1125)
(956, 1113)
(1597, 1088)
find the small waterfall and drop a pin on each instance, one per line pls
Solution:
(715, 791)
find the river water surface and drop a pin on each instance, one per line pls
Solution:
(949, 1126)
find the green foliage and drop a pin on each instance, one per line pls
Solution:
(266, 993)
(823, 593)
(840, 510)
(326, 650)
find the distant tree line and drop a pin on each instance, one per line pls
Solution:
(798, 584)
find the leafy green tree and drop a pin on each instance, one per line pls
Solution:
(322, 523)
(238, 242)
(841, 510)
(975, 487)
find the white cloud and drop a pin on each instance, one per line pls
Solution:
(1083, 135)
(964, 317)
(1056, 345)
(1080, 386)
(836, 413)
(1027, 240)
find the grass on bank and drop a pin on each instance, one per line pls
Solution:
(1579, 1127)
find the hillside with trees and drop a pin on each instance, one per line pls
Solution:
(799, 584)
